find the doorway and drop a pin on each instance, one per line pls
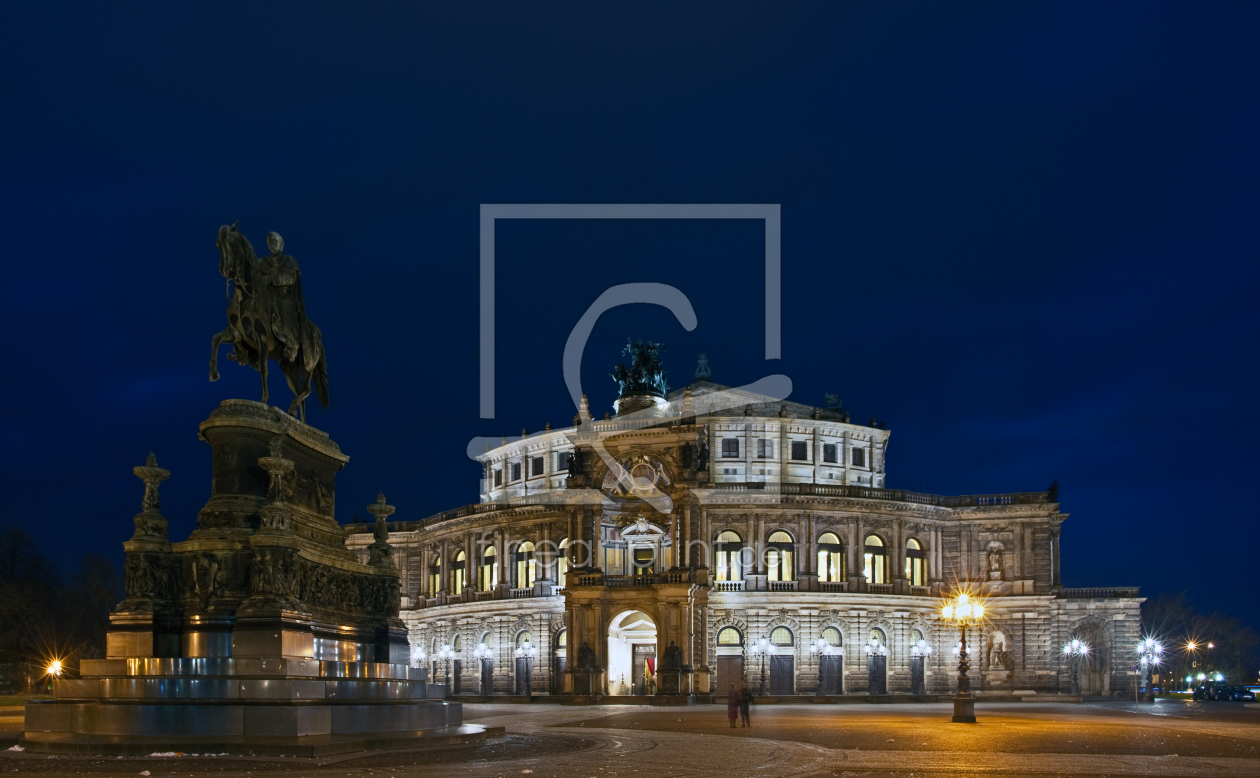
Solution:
(831, 674)
(781, 677)
(631, 653)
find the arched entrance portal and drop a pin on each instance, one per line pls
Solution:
(632, 654)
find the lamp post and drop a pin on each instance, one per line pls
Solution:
(1149, 652)
(1076, 650)
(527, 652)
(964, 612)
(447, 653)
(481, 652)
(819, 648)
(761, 647)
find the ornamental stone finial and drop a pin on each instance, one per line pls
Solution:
(380, 553)
(702, 368)
(150, 523)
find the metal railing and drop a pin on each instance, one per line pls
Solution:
(1110, 593)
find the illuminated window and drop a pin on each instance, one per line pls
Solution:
(644, 560)
(831, 560)
(781, 636)
(781, 557)
(488, 576)
(562, 638)
(914, 563)
(525, 572)
(730, 447)
(435, 576)
(562, 562)
(831, 635)
(455, 644)
(730, 547)
(522, 639)
(729, 636)
(875, 560)
(457, 574)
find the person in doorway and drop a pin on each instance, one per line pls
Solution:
(732, 705)
(745, 701)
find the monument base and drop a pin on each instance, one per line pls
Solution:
(964, 709)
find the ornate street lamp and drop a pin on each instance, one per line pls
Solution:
(761, 647)
(964, 612)
(527, 652)
(1149, 652)
(482, 653)
(1076, 650)
(447, 653)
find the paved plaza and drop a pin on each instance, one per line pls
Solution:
(1104, 739)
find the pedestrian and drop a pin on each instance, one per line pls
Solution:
(745, 700)
(732, 705)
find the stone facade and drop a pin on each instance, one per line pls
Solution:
(728, 517)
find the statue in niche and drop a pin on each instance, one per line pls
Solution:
(672, 660)
(995, 563)
(586, 657)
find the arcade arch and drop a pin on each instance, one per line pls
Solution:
(631, 653)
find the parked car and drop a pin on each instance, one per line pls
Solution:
(1225, 693)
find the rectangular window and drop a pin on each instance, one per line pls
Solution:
(730, 447)
(799, 450)
(516, 471)
(765, 449)
(829, 452)
(562, 460)
(538, 466)
(859, 457)
(498, 477)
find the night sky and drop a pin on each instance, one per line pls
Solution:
(1022, 235)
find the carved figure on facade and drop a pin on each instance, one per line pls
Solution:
(586, 657)
(267, 319)
(995, 562)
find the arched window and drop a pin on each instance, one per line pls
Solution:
(455, 644)
(830, 558)
(525, 565)
(562, 561)
(562, 638)
(729, 548)
(457, 574)
(875, 560)
(781, 636)
(523, 638)
(488, 575)
(878, 636)
(832, 636)
(488, 639)
(435, 576)
(781, 557)
(914, 563)
(729, 636)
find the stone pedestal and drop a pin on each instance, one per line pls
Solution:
(260, 625)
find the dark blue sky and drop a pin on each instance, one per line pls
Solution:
(1024, 235)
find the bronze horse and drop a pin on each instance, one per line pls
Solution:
(251, 311)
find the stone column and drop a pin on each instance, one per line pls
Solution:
(686, 555)
(597, 533)
(673, 539)
(444, 571)
(857, 579)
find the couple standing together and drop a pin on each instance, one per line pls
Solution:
(737, 702)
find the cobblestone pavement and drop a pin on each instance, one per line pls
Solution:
(809, 741)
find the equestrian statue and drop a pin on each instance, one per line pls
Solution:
(267, 319)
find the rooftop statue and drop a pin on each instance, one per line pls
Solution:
(267, 319)
(645, 374)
